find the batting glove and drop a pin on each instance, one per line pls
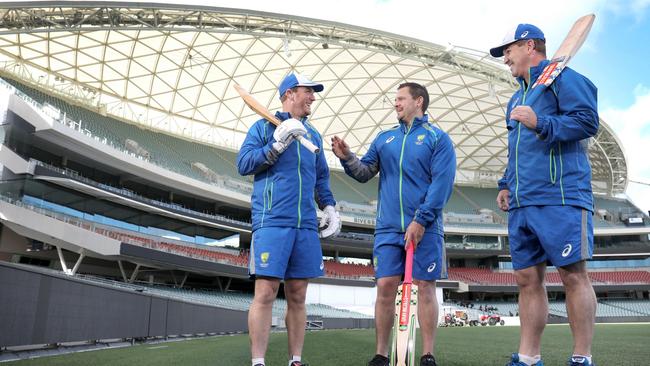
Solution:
(331, 222)
(286, 132)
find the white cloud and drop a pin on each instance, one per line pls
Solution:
(629, 123)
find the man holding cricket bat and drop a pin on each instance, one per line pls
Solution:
(418, 165)
(285, 244)
(546, 189)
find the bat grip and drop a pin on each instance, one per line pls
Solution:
(308, 144)
(408, 270)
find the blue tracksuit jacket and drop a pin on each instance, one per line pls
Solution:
(418, 166)
(550, 165)
(283, 193)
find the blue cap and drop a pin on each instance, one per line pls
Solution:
(293, 80)
(522, 31)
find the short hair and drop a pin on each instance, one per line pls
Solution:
(284, 96)
(416, 90)
(540, 45)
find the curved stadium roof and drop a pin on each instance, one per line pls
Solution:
(171, 68)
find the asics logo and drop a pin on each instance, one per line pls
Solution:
(567, 250)
(523, 34)
(322, 265)
(431, 267)
(388, 140)
(578, 359)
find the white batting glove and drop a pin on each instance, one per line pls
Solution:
(286, 132)
(331, 222)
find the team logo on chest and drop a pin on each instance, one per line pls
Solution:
(388, 140)
(420, 139)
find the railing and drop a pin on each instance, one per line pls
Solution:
(119, 234)
(128, 193)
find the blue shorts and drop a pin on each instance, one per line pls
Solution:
(561, 235)
(285, 253)
(429, 259)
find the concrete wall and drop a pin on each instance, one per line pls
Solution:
(37, 307)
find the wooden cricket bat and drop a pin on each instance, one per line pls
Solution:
(569, 47)
(406, 306)
(258, 108)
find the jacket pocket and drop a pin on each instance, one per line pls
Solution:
(268, 195)
(552, 166)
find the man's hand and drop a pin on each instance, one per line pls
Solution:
(414, 233)
(502, 199)
(340, 148)
(331, 222)
(525, 115)
(286, 132)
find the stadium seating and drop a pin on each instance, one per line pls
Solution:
(605, 308)
(488, 277)
(341, 270)
(621, 277)
(228, 300)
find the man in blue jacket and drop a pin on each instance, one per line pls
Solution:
(285, 244)
(418, 165)
(547, 190)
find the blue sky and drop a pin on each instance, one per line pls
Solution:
(615, 56)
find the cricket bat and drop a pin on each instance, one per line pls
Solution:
(406, 306)
(258, 108)
(569, 47)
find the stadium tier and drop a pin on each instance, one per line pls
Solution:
(487, 277)
(468, 206)
(123, 209)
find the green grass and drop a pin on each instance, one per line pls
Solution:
(614, 344)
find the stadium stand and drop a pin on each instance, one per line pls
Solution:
(337, 269)
(486, 276)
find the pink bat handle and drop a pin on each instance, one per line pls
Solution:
(408, 270)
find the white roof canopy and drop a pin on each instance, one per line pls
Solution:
(171, 68)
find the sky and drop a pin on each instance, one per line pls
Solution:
(615, 56)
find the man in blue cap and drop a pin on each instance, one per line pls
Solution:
(285, 243)
(546, 189)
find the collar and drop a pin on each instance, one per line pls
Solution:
(534, 72)
(416, 122)
(282, 116)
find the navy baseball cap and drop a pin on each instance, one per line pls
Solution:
(293, 80)
(522, 31)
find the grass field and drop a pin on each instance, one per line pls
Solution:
(614, 344)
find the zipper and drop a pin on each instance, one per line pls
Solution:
(401, 158)
(299, 184)
(523, 102)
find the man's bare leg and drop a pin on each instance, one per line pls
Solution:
(260, 313)
(533, 308)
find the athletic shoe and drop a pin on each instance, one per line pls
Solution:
(298, 363)
(515, 361)
(379, 360)
(428, 360)
(579, 361)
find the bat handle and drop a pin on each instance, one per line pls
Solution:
(309, 145)
(408, 270)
